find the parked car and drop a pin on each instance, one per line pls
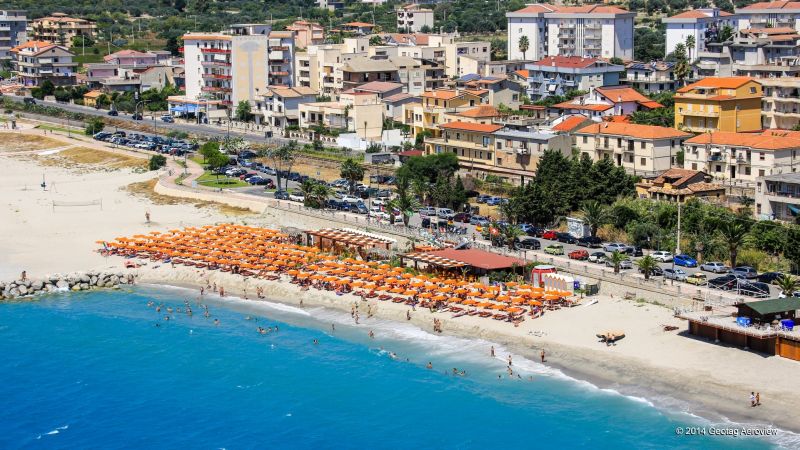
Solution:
(754, 289)
(590, 241)
(662, 256)
(479, 221)
(725, 282)
(167, 118)
(462, 217)
(482, 198)
(445, 213)
(715, 267)
(697, 278)
(554, 249)
(281, 195)
(550, 235)
(580, 255)
(654, 272)
(674, 274)
(684, 260)
(747, 271)
(359, 208)
(566, 238)
(769, 277)
(598, 257)
(427, 211)
(615, 247)
(624, 264)
(634, 251)
(113, 113)
(494, 201)
(350, 199)
(529, 243)
(297, 197)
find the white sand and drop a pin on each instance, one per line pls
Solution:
(708, 378)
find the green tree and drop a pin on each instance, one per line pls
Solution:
(244, 111)
(690, 42)
(523, 44)
(510, 235)
(682, 68)
(646, 265)
(595, 215)
(616, 260)
(352, 171)
(315, 193)
(733, 234)
(788, 284)
(405, 201)
(157, 162)
(94, 125)
(47, 87)
(208, 149)
(216, 162)
(282, 159)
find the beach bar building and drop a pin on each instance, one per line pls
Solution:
(766, 326)
(339, 240)
(477, 262)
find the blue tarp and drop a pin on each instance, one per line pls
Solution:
(183, 108)
(794, 210)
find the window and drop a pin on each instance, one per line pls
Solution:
(717, 168)
(458, 135)
(643, 162)
(761, 156)
(643, 144)
(586, 139)
(747, 171)
(761, 172)
(694, 166)
(752, 89)
(499, 145)
(499, 161)
(486, 141)
(488, 155)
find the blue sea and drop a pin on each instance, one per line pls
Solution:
(92, 370)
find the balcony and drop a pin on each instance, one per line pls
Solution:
(214, 64)
(215, 89)
(700, 113)
(786, 113)
(216, 76)
(215, 51)
(276, 55)
(743, 161)
(716, 157)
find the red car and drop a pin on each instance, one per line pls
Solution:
(581, 255)
(549, 234)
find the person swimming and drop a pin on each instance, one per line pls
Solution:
(429, 366)
(316, 342)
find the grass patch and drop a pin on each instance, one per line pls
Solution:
(15, 142)
(85, 157)
(59, 129)
(146, 189)
(210, 180)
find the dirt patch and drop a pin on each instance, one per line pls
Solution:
(92, 159)
(15, 142)
(146, 189)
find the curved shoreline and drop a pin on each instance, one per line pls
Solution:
(704, 395)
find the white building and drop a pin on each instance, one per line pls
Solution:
(413, 17)
(769, 14)
(12, 31)
(281, 58)
(591, 31)
(703, 24)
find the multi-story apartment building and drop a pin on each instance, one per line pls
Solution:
(780, 107)
(131, 58)
(488, 149)
(359, 112)
(640, 149)
(556, 75)
(719, 104)
(773, 14)
(499, 90)
(413, 18)
(60, 29)
(590, 30)
(407, 71)
(455, 52)
(778, 197)
(307, 33)
(281, 58)
(35, 62)
(608, 101)
(652, 77)
(703, 24)
(320, 67)
(280, 106)
(679, 185)
(12, 31)
(756, 52)
(742, 158)
(430, 112)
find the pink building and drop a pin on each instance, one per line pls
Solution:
(131, 58)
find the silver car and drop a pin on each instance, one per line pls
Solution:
(624, 264)
(615, 247)
(675, 274)
(714, 266)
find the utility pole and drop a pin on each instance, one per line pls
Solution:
(678, 244)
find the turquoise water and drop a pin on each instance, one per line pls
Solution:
(91, 370)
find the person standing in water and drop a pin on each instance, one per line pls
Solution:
(491, 352)
(542, 355)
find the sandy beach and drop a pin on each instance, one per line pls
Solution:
(676, 371)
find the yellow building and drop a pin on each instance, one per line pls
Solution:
(90, 98)
(719, 104)
(430, 113)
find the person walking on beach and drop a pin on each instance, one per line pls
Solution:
(509, 361)
(752, 399)
(542, 355)
(758, 398)
(491, 352)
(24, 275)
(147, 216)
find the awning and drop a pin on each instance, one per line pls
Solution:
(793, 210)
(183, 108)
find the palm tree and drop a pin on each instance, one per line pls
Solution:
(733, 234)
(616, 260)
(510, 235)
(405, 201)
(690, 41)
(315, 193)
(524, 44)
(595, 214)
(352, 171)
(788, 284)
(682, 67)
(646, 265)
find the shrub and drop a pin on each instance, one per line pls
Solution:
(94, 125)
(157, 162)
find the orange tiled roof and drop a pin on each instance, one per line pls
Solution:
(32, 44)
(441, 94)
(774, 5)
(590, 107)
(763, 141)
(586, 9)
(717, 82)
(481, 111)
(358, 24)
(633, 130)
(479, 127)
(622, 94)
(523, 73)
(570, 123)
(566, 61)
